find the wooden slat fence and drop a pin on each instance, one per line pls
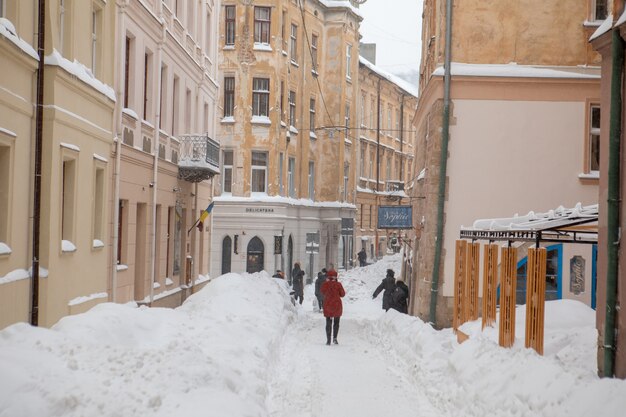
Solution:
(535, 298)
(490, 284)
(508, 284)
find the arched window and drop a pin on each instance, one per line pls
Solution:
(227, 246)
(255, 255)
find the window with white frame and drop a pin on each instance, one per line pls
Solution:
(312, 115)
(293, 48)
(372, 162)
(98, 206)
(389, 125)
(229, 96)
(259, 172)
(147, 83)
(260, 96)
(128, 53)
(362, 161)
(291, 177)
(314, 42)
(281, 178)
(311, 180)
(262, 19)
(363, 99)
(347, 120)
(229, 27)
(5, 169)
(68, 195)
(2, 13)
(208, 46)
(96, 41)
(388, 168)
(349, 61)
(64, 24)
(227, 171)
(292, 108)
(162, 88)
(283, 26)
(397, 132)
(282, 101)
(594, 139)
(599, 10)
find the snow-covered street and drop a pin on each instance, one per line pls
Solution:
(240, 348)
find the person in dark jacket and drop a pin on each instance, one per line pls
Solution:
(362, 257)
(298, 282)
(321, 278)
(388, 285)
(400, 297)
(279, 274)
(333, 307)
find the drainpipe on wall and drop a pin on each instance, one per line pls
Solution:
(118, 151)
(377, 164)
(155, 155)
(613, 202)
(41, 23)
(443, 162)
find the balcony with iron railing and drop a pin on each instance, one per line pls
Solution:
(199, 158)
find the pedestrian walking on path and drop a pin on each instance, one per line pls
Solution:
(388, 285)
(332, 290)
(298, 282)
(321, 278)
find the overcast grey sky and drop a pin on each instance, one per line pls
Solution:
(396, 28)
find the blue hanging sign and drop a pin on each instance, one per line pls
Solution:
(395, 217)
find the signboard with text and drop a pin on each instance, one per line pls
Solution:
(395, 217)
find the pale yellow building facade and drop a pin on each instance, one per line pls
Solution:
(78, 104)
(384, 158)
(289, 97)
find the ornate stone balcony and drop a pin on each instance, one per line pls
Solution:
(199, 158)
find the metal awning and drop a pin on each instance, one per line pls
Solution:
(562, 225)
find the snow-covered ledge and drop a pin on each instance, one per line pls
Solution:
(98, 244)
(5, 249)
(67, 246)
(261, 120)
(589, 175)
(121, 267)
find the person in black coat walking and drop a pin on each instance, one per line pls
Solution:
(388, 285)
(321, 278)
(400, 297)
(298, 282)
(362, 257)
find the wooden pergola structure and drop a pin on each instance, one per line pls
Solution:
(578, 225)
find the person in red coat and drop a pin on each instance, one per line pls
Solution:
(333, 308)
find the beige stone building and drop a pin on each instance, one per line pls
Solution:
(289, 97)
(522, 95)
(78, 106)
(166, 79)
(384, 157)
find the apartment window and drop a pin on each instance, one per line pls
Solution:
(599, 9)
(362, 161)
(175, 104)
(388, 168)
(230, 25)
(397, 133)
(229, 96)
(96, 42)
(207, 35)
(372, 112)
(312, 115)
(349, 61)
(346, 176)
(127, 69)
(281, 179)
(594, 139)
(294, 43)
(190, 15)
(5, 170)
(262, 25)
(163, 97)
(314, 41)
(188, 111)
(282, 101)
(147, 83)
(205, 119)
(283, 26)
(68, 197)
(122, 238)
(227, 167)
(347, 119)
(2, 13)
(291, 177)
(292, 108)
(389, 125)
(65, 35)
(98, 205)
(363, 99)
(311, 180)
(259, 172)
(371, 213)
(260, 96)
(372, 161)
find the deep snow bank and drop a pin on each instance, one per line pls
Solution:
(209, 357)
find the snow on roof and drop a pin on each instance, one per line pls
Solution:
(408, 87)
(8, 31)
(604, 27)
(538, 221)
(263, 198)
(514, 70)
(82, 72)
(341, 3)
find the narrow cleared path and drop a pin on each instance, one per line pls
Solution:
(356, 378)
